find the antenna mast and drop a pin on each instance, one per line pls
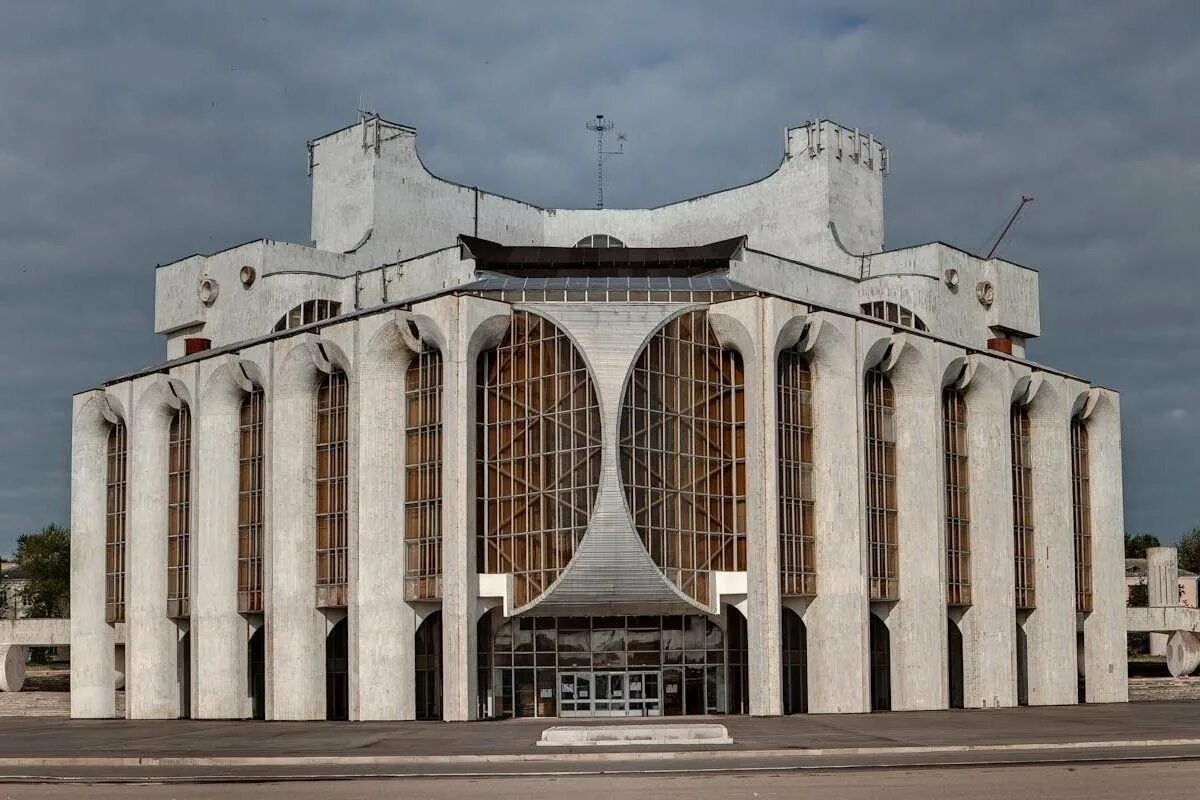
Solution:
(601, 126)
(1024, 199)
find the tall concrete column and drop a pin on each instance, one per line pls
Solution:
(1050, 629)
(383, 647)
(219, 633)
(1104, 635)
(463, 327)
(989, 669)
(295, 644)
(1162, 587)
(152, 689)
(836, 619)
(92, 641)
(917, 621)
(759, 328)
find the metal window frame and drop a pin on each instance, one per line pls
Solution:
(1081, 514)
(958, 503)
(332, 445)
(1025, 576)
(539, 452)
(250, 502)
(423, 477)
(880, 468)
(797, 542)
(179, 513)
(115, 521)
(683, 453)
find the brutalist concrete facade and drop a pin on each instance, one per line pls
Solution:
(397, 255)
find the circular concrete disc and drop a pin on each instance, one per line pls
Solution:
(12, 676)
(1183, 653)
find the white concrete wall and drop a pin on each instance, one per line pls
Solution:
(1051, 626)
(989, 668)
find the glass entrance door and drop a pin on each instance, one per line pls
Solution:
(609, 694)
(576, 692)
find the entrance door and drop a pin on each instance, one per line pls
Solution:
(644, 697)
(576, 692)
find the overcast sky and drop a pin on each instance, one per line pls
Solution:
(134, 134)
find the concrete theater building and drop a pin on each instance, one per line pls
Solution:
(467, 457)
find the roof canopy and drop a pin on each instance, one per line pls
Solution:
(618, 261)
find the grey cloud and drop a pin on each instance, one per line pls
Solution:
(134, 134)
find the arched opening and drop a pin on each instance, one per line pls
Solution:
(183, 670)
(795, 663)
(600, 240)
(894, 313)
(737, 648)
(1022, 647)
(337, 672)
(881, 665)
(954, 665)
(307, 313)
(683, 451)
(256, 677)
(427, 668)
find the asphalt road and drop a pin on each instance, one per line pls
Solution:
(1157, 781)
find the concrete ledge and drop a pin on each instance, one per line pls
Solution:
(617, 735)
(789, 755)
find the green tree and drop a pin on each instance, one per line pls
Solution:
(45, 558)
(1189, 550)
(1135, 546)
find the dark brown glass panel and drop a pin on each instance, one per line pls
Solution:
(1022, 479)
(539, 454)
(1081, 501)
(880, 456)
(683, 453)
(797, 558)
(423, 477)
(179, 496)
(958, 508)
(114, 524)
(332, 453)
(250, 503)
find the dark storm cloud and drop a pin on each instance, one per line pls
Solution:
(136, 134)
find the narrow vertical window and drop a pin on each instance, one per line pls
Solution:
(797, 560)
(179, 512)
(423, 477)
(1081, 502)
(332, 472)
(958, 509)
(880, 447)
(1022, 480)
(114, 525)
(250, 504)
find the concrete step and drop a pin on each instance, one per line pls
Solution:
(609, 735)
